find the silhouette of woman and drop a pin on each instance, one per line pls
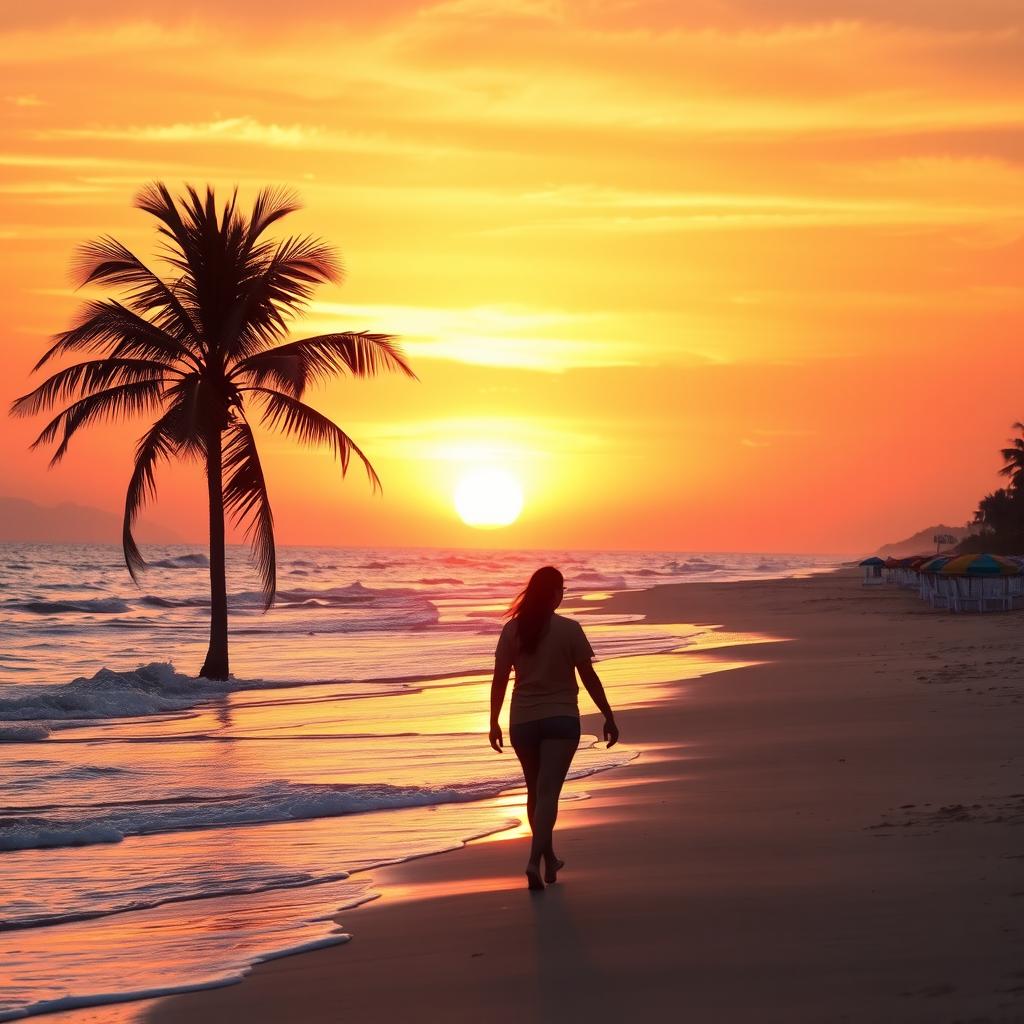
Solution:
(546, 651)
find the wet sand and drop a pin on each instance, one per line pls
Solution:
(830, 834)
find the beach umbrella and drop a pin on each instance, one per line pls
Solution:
(980, 565)
(935, 564)
(873, 560)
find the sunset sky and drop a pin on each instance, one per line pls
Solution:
(722, 275)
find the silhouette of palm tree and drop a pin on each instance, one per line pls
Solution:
(204, 349)
(1014, 460)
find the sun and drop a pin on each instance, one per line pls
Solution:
(488, 498)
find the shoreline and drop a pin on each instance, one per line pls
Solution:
(788, 854)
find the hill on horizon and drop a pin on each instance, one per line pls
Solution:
(27, 522)
(921, 543)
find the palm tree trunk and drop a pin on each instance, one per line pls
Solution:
(216, 664)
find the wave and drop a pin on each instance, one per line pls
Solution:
(231, 975)
(260, 805)
(694, 565)
(72, 585)
(152, 689)
(148, 690)
(366, 609)
(102, 605)
(473, 563)
(271, 883)
(39, 834)
(589, 579)
(28, 781)
(195, 561)
(328, 597)
(411, 621)
(23, 733)
(273, 802)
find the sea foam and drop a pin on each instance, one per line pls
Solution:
(102, 605)
(191, 561)
(264, 804)
(23, 733)
(148, 690)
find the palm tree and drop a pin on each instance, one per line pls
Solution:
(1013, 459)
(203, 349)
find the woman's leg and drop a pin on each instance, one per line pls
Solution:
(529, 760)
(555, 758)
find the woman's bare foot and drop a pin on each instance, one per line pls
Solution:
(552, 865)
(533, 877)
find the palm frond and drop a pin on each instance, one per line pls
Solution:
(157, 443)
(105, 260)
(87, 378)
(293, 417)
(270, 206)
(188, 426)
(123, 400)
(156, 200)
(298, 364)
(281, 279)
(246, 499)
(116, 331)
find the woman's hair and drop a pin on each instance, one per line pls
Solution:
(533, 608)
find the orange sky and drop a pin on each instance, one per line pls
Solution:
(703, 276)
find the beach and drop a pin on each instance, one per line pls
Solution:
(163, 833)
(828, 831)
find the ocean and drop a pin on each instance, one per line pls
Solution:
(160, 833)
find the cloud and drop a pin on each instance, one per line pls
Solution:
(250, 131)
(482, 440)
(650, 212)
(499, 336)
(46, 189)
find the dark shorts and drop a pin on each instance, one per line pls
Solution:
(530, 734)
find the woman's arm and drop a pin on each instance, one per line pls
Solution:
(499, 684)
(592, 683)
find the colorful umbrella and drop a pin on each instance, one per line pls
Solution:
(873, 560)
(980, 565)
(935, 564)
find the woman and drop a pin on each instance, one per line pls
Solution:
(546, 651)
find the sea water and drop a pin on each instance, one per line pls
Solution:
(162, 833)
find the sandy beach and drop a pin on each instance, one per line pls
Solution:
(831, 833)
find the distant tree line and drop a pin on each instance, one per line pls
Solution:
(999, 519)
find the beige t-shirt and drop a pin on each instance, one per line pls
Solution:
(545, 683)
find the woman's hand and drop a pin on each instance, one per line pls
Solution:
(611, 731)
(496, 737)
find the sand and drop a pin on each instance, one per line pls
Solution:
(831, 834)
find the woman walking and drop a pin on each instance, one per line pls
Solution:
(546, 650)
